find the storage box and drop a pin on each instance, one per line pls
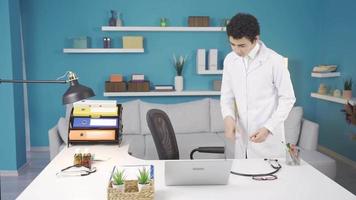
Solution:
(81, 42)
(115, 86)
(132, 42)
(198, 21)
(116, 78)
(143, 86)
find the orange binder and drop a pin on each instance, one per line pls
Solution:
(92, 135)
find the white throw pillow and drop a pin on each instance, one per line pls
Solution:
(292, 125)
(62, 127)
(217, 122)
(131, 117)
(189, 117)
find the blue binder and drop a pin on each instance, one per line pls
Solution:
(95, 123)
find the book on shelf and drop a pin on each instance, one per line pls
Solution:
(164, 87)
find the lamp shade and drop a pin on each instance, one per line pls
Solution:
(76, 92)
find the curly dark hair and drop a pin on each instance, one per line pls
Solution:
(243, 25)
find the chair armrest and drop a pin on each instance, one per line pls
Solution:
(54, 141)
(220, 150)
(309, 135)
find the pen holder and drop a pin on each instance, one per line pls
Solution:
(292, 156)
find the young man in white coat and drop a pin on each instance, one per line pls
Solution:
(256, 93)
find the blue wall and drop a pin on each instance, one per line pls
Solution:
(286, 27)
(337, 46)
(12, 143)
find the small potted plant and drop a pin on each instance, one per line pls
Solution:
(119, 179)
(347, 93)
(143, 178)
(178, 64)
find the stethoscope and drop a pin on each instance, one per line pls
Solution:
(83, 171)
(265, 176)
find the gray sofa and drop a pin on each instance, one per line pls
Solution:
(199, 123)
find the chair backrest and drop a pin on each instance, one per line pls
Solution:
(163, 134)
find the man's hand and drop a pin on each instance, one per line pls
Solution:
(260, 135)
(230, 127)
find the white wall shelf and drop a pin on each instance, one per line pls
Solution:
(325, 75)
(155, 93)
(208, 72)
(332, 99)
(103, 50)
(158, 28)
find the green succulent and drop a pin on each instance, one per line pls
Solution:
(348, 84)
(119, 177)
(179, 64)
(144, 176)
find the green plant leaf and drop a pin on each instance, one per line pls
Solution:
(119, 177)
(144, 176)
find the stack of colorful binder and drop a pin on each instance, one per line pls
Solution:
(95, 121)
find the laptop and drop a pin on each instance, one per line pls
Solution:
(197, 172)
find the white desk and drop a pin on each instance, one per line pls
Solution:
(294, 182)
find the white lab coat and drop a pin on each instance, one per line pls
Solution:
(261, 96)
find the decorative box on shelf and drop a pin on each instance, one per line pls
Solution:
(81, 42)
(95, 122)
(115, 86)
(131, 182)
(138, 86)
(198, 21)
(132, 42)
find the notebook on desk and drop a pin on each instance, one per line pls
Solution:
(197, 172)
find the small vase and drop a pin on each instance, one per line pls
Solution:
(113, 18)
(347, 94)
(178, 83)
(118, 187)
(142, 187)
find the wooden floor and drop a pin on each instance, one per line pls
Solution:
(11, 187)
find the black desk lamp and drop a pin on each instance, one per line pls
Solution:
(75, 92)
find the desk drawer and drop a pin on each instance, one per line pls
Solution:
(92, 135)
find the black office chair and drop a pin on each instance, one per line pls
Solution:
(165, 139)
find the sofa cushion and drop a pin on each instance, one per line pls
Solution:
(186, 143)
(131, 117)
(62, 126)
(136, 145)
(292, 125)
(190, 117)
(217, 122)
(321, 162)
